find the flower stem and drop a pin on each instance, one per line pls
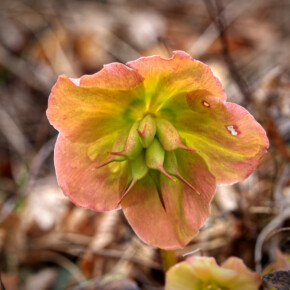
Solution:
(168, 259)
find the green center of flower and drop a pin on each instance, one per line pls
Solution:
(150, 144)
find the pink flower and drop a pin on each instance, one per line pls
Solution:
(201, 273)
(171, 136)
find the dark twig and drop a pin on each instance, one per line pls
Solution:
(267, 230)
(1, 283)
(215, 11)
(2, 287)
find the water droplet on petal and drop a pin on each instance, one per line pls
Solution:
(205, 104)
(232, 130)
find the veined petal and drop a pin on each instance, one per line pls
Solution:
(182, 276)
(116, 76)
(195, 206)
(170, 216)
(204, 273)
(226, 135)
(91, 107)
(80, 180)
(144, 211)
(245, 279)
(206, 269)
(165, 78)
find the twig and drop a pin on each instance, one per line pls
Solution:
(275, 223)
(13, 133)
(39, 159)
(191, 252)
(216, 14)
(120, 255)
(1, 283)
(275, 232)
(24, 71)
(283, 178)
(50, 256)
(211, 34)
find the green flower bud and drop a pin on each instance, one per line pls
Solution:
(147, 131)
(133, 146)
(155, 157)
(168, 136)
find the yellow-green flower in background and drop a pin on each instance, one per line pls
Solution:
(203, 273)
(154, 137)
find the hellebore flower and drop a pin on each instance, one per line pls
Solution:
(201, 273)
(154, 137)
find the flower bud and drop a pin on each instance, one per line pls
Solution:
(139, 170)
(168, 136)
(155, 157)
(133, 146)
(147, 131)
(139, 167)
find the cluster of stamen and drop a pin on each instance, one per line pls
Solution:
(149, 145)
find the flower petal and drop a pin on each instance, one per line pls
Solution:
(114, 76)
(245, 278)
(182, 276)
(144, 210)
(206, 269)
(171, 216)
(91, 107)
(165, 78)
(227, 136)
(77, 175)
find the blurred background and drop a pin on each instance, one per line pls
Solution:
(48, 243)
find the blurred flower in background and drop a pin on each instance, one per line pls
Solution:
(201, 273)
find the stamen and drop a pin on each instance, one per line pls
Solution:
(187, 183)
(161, 169)
(182, 146)
(121, 153)
(111, 159)
(127, 191)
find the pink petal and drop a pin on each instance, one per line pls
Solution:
(245, 278)
(170, 218)
(115, 76)
(77, 175)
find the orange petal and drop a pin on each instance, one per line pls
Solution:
(173, 225)
(87, 186)
(91, 107)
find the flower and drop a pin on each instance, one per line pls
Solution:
(171, 139)
(201, 273)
